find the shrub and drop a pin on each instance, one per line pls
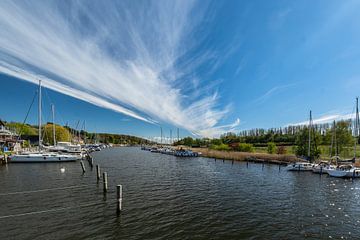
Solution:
(221, 147)
(271, 148)
(245, 147)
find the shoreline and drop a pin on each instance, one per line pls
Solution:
(248, 156)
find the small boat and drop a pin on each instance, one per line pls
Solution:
(186, 153)
(323, 167)
(345, 171)
(300, 166)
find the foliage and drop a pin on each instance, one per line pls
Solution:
(271, 148)
(245, 147)
(302, 143)
(22, 129)
(220, 147)
(342, 136)
(61, 134)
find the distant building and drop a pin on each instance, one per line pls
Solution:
(8, 139)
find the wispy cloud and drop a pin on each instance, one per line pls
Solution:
(271, 92)
(117, 55)
(326, 119)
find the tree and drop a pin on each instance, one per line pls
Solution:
(302, 142)
(271, 148)
(61, 134)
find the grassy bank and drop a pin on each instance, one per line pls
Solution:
(246, 156)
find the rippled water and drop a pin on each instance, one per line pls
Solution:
(165, 197)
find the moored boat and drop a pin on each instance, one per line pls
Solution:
(300, 166)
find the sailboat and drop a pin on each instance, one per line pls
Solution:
(348, 170)
(324, 166)
(41, 156)
(303, 166)
(62, 147)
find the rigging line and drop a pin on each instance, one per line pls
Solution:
(27, 114)
(50, 210)
(43, 190)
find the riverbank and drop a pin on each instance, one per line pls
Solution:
(247, 156)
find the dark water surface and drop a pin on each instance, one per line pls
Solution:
(165, 197)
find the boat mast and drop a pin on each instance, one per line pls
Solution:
(356, 125)
(39, 120)
(53, 117)
(310, 126)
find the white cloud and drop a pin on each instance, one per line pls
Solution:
(326, 119)
(117, 55)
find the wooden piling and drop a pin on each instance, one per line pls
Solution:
(119, 198)
(82, 166)
(232, 162)
(263, 166)
(105, 181)
(247, 164)
(279, 167)
(98, 173)
(5, 158)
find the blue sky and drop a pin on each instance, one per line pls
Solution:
(206, 67)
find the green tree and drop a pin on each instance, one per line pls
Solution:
(61, 134)
(302, 142)
(188, 141)
(22, 129)
(271, 148)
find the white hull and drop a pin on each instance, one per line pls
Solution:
(324, 169)
(299, 167)
(354, 172)
(31, 158)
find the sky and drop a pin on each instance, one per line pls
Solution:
(205, 67)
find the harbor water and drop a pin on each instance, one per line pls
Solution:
(166, 197)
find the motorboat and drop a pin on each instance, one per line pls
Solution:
(300, 166)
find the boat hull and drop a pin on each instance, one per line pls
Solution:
(42, 158)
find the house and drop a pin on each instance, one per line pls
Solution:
(8, 139)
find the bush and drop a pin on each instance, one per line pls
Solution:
(221, 147)
(245, 147)
(271, 148)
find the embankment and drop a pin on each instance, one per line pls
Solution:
(246, 156)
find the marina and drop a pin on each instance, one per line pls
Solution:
(165, 197)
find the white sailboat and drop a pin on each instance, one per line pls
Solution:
(41, 156)
(303, 166)
(349, 171)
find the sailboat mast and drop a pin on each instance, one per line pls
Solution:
(53, 117)
(356, 125)
(39, 116)
(310, 126)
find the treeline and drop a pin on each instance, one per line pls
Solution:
(66, 133)
(339, 137)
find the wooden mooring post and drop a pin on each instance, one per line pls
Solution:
(98, 173)
(118, 198)
(82, 166)
(105, 182)
(5, 158)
